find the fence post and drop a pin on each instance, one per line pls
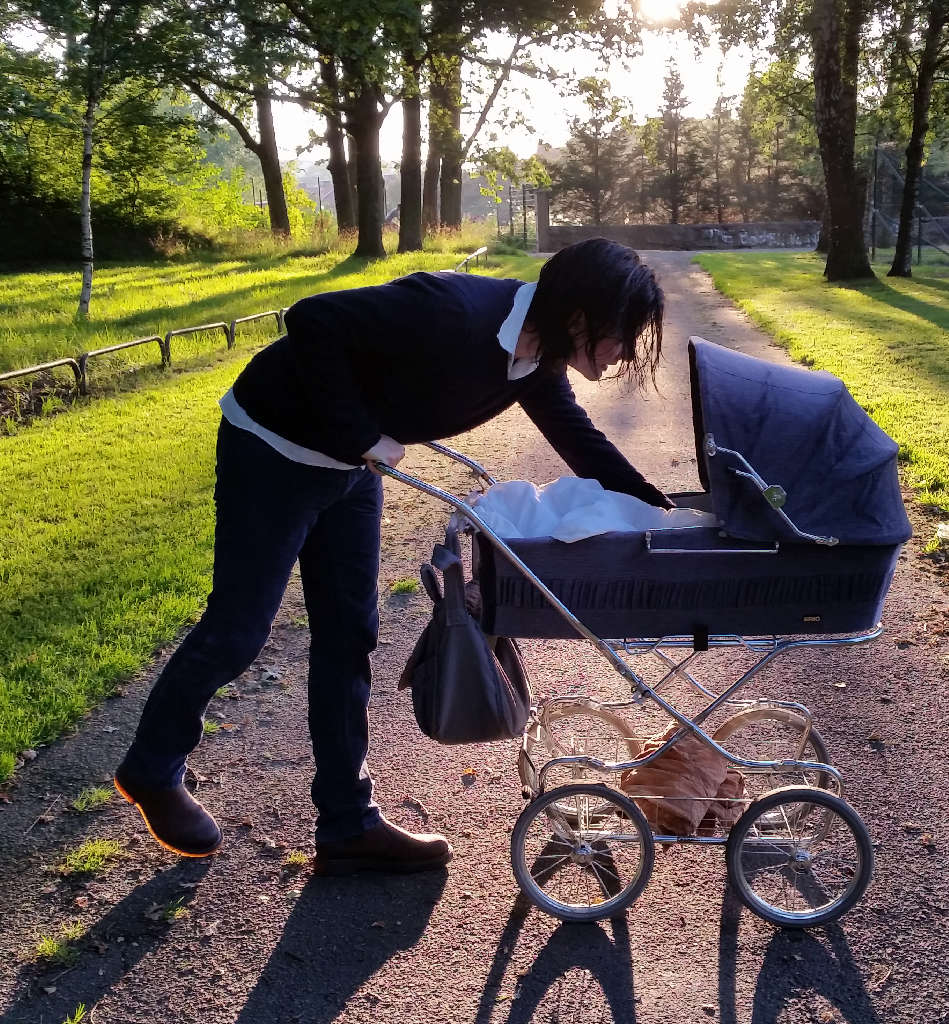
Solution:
(81, 360)
(542, 215)
(510, 210)
(524, 211)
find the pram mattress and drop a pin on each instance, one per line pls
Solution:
(683, 582)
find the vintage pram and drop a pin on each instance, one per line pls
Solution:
(810, 525)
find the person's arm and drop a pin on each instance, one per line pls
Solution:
(552, 406)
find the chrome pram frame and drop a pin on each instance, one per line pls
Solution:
(764, 817)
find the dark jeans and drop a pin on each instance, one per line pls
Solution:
(272, 511)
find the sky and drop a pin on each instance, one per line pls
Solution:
(640, 84)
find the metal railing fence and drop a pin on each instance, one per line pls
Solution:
(476, 256)
(79, 364)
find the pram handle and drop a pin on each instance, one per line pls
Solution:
(467, 512)
(475, 467)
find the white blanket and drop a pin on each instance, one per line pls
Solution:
(570, 509)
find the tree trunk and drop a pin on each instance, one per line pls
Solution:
(747, 189)
(270, 166)
(719, 206)
(433, 160)
(352, 165)
(776, 178)
(364, 128)
(836, 49)
(85, 204)
(264, 148)
(675, 185)
(339, 172)
(410, 209)
(922, 97)
(338, 167)
(451, 171)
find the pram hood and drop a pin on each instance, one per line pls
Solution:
(799, 429)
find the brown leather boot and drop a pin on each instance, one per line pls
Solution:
(175, 819)
(385, 847)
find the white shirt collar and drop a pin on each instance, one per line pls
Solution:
(510, 331)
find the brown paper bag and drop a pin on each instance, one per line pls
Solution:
(729, 803)
(676, 791)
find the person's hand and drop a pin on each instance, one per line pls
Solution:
(386, 450)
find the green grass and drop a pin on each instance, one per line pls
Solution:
(296, 860)
(37, 309)
(406, 586)
(106, 532)
(176, 911)
(59, 949)
(887, 339)
(93, 798)
(91, 857)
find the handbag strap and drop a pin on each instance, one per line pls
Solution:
(447, 557)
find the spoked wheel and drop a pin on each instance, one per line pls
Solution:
(573, 728)
(810, 870)
(774, 734)
(585, 863)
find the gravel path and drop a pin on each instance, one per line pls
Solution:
(241, 938)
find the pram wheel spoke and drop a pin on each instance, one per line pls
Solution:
(799, 857)
(608, 860)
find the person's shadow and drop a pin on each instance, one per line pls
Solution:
(134, 928)
(340, 932)
(795, 961)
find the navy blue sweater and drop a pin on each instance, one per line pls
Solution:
(417, 359)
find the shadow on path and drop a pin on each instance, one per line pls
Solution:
(341, 931)
(123, 937)
(571, 948)
(795, 963)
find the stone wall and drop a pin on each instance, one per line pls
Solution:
(793, 234)
(762, 235)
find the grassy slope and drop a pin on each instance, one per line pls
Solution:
(106, 527)
(37, 309)
(888, 340)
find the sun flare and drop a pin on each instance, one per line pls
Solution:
(659, 11)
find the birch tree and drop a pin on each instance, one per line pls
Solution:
(102, 42)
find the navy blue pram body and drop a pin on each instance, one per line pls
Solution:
(752, 574)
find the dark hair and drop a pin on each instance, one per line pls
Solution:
(618, 297)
